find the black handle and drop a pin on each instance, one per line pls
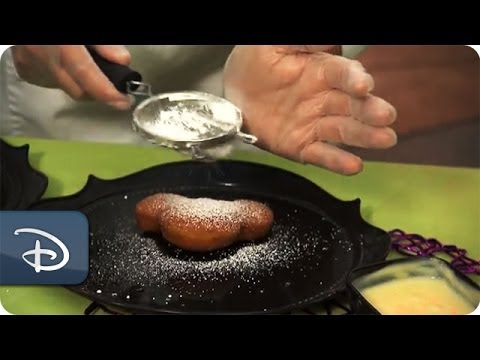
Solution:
(118, 74)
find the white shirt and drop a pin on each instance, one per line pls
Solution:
(29, 110)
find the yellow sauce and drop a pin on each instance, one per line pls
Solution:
(419, 295)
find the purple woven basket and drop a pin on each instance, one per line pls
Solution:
(417, 245)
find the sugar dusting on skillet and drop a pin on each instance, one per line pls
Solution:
(158, 263)
(166, 262)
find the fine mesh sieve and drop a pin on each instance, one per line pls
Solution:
(188, 121)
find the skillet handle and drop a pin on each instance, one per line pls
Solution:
(122, 77)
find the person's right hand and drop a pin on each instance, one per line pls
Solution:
(72, 69)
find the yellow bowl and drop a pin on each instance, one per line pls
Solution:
(412, 286)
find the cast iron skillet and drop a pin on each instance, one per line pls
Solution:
(316, 240)
(20, 184)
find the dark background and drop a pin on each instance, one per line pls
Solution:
(435, 90)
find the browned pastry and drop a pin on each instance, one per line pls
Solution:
(147, 212)
(203, 224)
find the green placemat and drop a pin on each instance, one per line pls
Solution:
(438, 202)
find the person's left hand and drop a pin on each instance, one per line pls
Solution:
(301, 102)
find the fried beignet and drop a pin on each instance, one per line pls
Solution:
(203, 224)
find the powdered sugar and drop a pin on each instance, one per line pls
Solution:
(181, 125)
(202, 208)
(298, 252)
(209, 211)
(188, 120)
(175, 266)
(220, 151)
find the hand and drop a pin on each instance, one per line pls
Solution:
(72, 69)
(300, 101)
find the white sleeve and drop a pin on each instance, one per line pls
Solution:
(352, 51)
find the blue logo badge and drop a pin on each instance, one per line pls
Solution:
(43, 247)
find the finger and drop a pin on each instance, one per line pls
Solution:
(115, 53)
(348, 131)
(34, 64)
(331, 158)
(346, 75)
(371, 109)
(67, 84)
(331, 49)
(80, 66)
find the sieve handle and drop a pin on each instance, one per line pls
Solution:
(119, 75)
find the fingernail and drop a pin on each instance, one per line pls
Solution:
(359, 80)
(387, 113)
(120, 49)
(359, 66)
(362, 86)
(394, 137)
(119, 52)
(121, 104)
(394, 113)
(370, 83)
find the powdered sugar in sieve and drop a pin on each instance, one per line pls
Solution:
(182, 117)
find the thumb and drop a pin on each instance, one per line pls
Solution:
(331, 49)
(115, 53)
